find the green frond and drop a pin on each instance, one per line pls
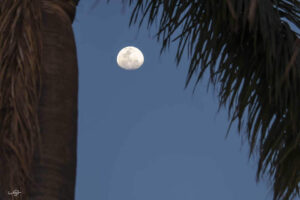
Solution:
(253, 56)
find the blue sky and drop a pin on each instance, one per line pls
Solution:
(141, 135)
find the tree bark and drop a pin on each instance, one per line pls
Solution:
(55, 168)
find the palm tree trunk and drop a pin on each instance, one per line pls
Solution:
(38, 100)
(55, 168)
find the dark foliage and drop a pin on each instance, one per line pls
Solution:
(20, 44)
(253, 56)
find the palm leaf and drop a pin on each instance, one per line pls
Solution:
(20, 42)
(253, 55)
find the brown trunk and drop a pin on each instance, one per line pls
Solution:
(37, 43)
(55, 171)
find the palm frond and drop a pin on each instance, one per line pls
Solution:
(20, 84)
(253, 56)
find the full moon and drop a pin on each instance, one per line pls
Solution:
(130, 58)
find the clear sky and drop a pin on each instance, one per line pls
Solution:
(141, 135)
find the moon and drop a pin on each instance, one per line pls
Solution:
(130, 58)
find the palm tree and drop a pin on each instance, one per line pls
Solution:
(253, 57)
(38, 99)
(249, 48)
